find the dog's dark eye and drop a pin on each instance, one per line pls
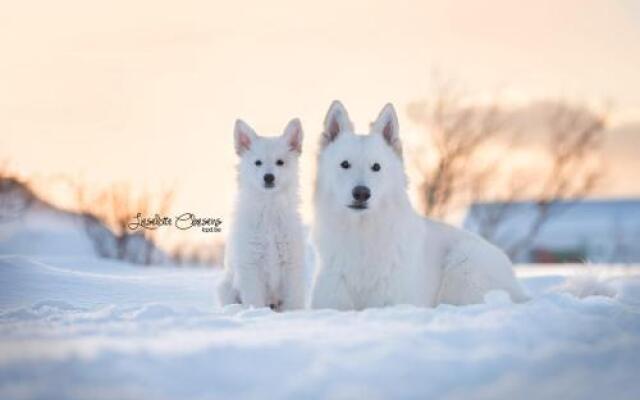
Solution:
(258, 163)
(279, 163)
(375, 167)
(345, 164)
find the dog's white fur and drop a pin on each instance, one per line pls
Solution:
(264, 254)
(387, 254)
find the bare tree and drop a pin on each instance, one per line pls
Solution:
(459, 132)
(115, 208)
(16, 194)
(210, 253)
(574, 141)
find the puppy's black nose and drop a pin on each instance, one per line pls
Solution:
(361, 193)
(269, 178)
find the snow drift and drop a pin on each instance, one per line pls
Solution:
(81, 328)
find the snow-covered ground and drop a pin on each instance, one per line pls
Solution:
(81, 328)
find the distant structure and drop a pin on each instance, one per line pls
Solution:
(589, 231)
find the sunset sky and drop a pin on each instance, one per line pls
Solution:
(148, 91)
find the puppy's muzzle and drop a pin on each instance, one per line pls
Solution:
(269, 180)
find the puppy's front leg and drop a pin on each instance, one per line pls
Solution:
(252, 290)
(293, 296)
(227, 294)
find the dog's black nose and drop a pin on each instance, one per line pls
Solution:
(361, 193)
(269, 178)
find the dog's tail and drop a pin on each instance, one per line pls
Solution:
(588, 283)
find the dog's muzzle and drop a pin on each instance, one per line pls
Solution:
(358, 206)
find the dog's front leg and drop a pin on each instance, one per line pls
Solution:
(330, 291)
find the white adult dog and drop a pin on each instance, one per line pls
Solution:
(265, 248)
(372, 248)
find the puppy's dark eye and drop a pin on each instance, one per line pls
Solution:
(279, 163)
(375, 167)
(345, 164)
(258, 163)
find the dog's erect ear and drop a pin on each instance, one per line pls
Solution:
(335, 123)
(244, 137)
(293, 135)
(387, 125)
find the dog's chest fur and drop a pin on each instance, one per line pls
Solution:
(375, 267)
(365, 271)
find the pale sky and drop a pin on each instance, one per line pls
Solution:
(148, 91)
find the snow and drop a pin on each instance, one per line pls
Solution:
(43, 229)
(82, 328)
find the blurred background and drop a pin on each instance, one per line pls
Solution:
(520, 120)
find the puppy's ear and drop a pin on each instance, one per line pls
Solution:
(293, 135)
(335, 123)
(387, 125)
(244, 137)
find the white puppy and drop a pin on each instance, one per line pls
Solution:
(265, 248)
(372, 248)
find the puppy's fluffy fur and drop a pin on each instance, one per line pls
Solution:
(265, 250)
